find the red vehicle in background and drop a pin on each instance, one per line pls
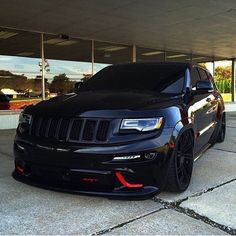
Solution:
(4, 102)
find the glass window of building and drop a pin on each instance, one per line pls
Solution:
(147, 54)
(67, 60)
(222, 73)
(223, 78)
(111, 53)
(20, 76)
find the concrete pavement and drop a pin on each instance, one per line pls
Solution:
(207, 207)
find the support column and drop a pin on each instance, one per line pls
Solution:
(164, 56)
(92, 57)
(233, 80)
(214, 67)
(134, 58)
(43, 68)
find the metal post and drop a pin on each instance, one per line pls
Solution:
(164, 56)
(233, 80)
(213, 69)
(134, 58)
(92, 57)
(43, 68)
(191, 57)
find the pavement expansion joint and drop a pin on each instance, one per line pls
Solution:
(209, 189)
(178, 202)
(127, 222)
(191, 213)
(220, 149)
(205, 219)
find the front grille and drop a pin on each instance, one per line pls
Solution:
(102, 130)
(63, 129)
(53, 124)
(89, 130)
(70, 129)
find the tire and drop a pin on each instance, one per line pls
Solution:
(181, 164)
(222, 129)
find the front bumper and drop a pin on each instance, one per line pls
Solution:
(91, 171)
(143, 193)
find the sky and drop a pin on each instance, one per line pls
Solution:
(30, 67)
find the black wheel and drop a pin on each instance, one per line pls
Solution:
(181, 164)
(222, 130)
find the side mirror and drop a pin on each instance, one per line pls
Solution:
(204, 86)
(77, 86)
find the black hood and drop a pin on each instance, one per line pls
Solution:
(76, 104)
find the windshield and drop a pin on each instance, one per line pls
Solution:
(160, 78)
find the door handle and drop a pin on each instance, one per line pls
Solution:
(208, 99)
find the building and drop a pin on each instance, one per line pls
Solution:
(80, 37)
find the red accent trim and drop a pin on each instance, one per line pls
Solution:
(121, 178)
(20, 169)
(91, 180)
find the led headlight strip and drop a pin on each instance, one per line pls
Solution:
(143, 124)
(25, 118)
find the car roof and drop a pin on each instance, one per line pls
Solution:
(187, 64)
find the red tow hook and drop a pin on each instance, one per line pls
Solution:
(121, 178)
(20, 169)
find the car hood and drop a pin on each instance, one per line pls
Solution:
(77, 104)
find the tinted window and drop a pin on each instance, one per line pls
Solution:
(211, 79)
(203, 74)
(160, 78)
(194, 77)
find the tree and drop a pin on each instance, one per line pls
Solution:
(61, 84)
(86, 77)
(203, 65)
(223, 72)
(223, 78)
(12, 81)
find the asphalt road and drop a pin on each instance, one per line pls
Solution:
(207, 207)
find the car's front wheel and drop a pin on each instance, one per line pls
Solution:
(181, 164)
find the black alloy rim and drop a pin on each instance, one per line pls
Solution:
(184, 159)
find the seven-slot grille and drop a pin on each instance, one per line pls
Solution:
(70, 130)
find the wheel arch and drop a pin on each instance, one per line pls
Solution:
(181, 127)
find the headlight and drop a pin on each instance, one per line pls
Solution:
(144, 124)
(25, 118)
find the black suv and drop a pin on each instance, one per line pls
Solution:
(132, 130)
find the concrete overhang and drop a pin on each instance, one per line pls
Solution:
(203, 27)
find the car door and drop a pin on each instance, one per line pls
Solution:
(215, 100)
(206, 119)
(195, 107)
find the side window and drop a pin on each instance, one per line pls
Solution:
(203, 74)
(194, 77)
(209, 75)
(212, 80)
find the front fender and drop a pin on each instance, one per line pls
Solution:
(180, 127)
